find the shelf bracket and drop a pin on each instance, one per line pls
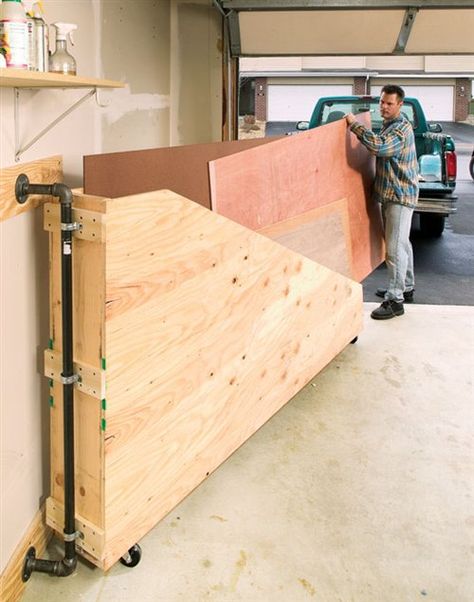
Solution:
(20, 149)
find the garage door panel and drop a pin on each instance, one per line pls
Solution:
(326, 28)
(437, 101)
(319, 32)
(296, 102)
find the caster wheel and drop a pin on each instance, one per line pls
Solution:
(132, 557)
(354, 341)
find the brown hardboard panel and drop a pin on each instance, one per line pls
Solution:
(290, 176)
(183, 169)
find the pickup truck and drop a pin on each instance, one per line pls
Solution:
(435, 151)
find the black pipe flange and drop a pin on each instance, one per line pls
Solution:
(21, 188)
(28, 564)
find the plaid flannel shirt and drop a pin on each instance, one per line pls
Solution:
(396, 168)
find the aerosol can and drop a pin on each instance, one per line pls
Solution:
(61, 61)
(37, 36)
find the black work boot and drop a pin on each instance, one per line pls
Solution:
(408, 296)
(388, 309)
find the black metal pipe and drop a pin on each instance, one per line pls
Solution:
(66, 566)
(65, 196)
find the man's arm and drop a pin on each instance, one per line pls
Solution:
(384, 145)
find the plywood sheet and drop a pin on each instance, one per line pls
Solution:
(262, 186)
(309, 233)
(210, 329)
(183, 169)
(206, 329)
(42, 171)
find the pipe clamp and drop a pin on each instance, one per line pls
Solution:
(73, 536)
(69, 380)
(71, 227)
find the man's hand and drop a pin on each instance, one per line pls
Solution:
(350, 119)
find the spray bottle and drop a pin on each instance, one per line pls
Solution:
(61, 61)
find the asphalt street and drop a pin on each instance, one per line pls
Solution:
(444, 267)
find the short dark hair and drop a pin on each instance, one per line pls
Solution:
(392, 89)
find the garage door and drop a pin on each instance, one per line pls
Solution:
(437, 101)
(296, 102)
(342, 27)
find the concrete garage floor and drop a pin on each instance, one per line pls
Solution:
(361, 489)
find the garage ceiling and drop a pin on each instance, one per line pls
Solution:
(348, 27)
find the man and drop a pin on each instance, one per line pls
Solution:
(396, 188)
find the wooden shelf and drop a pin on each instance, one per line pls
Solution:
(18, 78)
(22, 79)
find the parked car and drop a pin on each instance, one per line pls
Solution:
(435, 151)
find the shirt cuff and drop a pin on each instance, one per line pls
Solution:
(357, 128)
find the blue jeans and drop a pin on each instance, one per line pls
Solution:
(399, 252)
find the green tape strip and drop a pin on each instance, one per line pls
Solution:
(104, 404)
(51, 382)
(103, 363)
(50, 343)
(51, 400)
(103, 424)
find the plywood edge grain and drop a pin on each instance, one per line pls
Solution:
(37, 535)
(89, 201)
(42, 171)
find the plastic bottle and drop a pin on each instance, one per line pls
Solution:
(13, 34)
(61, 61)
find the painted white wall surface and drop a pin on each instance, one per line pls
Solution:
(169, 53)
(195, 72)
(24, 301)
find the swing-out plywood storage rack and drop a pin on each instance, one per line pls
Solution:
(190, 331)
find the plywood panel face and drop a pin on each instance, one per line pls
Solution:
(210, 329)
(269, 184)
(310, 232)
(179, 168)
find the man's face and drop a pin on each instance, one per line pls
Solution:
(390, 106)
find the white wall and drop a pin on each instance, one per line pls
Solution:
(168, 52)
(24, 282)
(196, 72)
